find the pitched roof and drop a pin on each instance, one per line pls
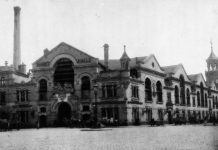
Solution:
(63, 44)
(212, 55)
(170, 69)
(114, 64)
(194, 77)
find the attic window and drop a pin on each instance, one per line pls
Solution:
(152, 64)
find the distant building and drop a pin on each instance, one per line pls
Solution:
(67, 83)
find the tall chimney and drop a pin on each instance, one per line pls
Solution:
(17, 55)
(106, 55)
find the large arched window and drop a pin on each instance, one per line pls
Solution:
(64, 73)
(188, 96)
(182, 89)
(42, 90)
(202, 94)
(198, 99)
(86, 87)
(148, 90)
(159, 91)
(205, 99)
(176, 95)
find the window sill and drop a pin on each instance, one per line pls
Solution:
(148, 101)
(182, 104)
(106, 98)
(159, 102)
(135, 99)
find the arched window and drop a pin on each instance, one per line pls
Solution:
(188, 97)
(159, 92)
(182, 89)
(202, 94)
(42, 90)
(176, 95)
(205, 99)
(64, 73)
(198, 99)
(148, 90)
(86, 87)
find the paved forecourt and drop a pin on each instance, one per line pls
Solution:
(125, 138)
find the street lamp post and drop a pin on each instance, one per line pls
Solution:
(95, 87)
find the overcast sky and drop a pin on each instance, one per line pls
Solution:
(175, 31)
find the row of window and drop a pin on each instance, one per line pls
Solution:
(22, 95)
(148, 90)
(107, 90)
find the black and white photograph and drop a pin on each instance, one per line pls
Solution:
(108, 75)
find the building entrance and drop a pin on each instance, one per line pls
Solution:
(64, 114)
(42, 121)
(169, 117)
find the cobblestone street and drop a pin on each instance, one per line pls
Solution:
(126, 138)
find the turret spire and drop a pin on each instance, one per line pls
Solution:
(212, 55)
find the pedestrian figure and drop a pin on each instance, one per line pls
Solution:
(37, 124)
(205, 121)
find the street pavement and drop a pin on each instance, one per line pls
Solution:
(168, 137)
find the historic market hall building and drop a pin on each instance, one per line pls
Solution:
(67, 83)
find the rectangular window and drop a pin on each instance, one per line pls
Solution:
(135, 92)
(103, 91)
(18, 95)
(109, 91)
(193, 101)
(86, 108)
(168, 96)
(2, 98)
(27, 95)
(22, 96)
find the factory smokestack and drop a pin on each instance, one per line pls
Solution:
(17, 55)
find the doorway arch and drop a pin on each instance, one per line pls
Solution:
(64, 113)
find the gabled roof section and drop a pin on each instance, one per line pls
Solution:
(176, 71)
(197, 79)
(151, 63)
(170, 69)
(145, 61)
(62, 48)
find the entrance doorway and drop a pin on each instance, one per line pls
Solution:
(42, 121)
(64, 114)
(169, 117)
(149, 115)
(135, 115)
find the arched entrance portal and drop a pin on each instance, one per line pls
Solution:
(64, 114)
